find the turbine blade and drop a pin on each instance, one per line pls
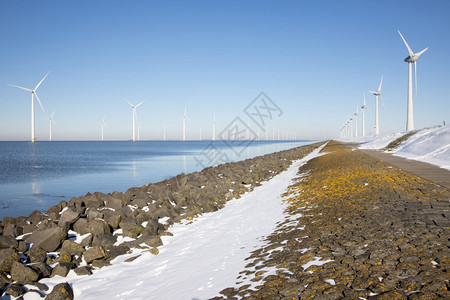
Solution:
(364, 96)
(381, 83)
(20, 87)
(41, 81)
(421, 52)
(139, 103)
(372, 92)
(128, 102)
(411, 53)
(382, 101)
(40, 103)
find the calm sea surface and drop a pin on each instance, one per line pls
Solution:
(35, 176)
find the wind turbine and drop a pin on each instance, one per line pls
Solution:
(138, 131)
(363, 108)
(103, 125)
(164, 132)
(377, 93)
(50, 121)
(134, 117)
(356, 121)
(184, 125)
(412, 58)
(33, 93)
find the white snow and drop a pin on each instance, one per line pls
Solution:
(430, 145)
(204, 255)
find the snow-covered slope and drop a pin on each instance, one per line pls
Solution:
(430, 145)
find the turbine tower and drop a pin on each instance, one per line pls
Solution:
(33, 93)
(50, 121)
(184, 125)
(412, 58)
(356, 121)
(377, 93)
(164, 132)
(363, 108)
(103, 125)
(134, 117)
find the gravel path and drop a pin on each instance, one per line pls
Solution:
(355, 228)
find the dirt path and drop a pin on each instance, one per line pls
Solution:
(355, 227)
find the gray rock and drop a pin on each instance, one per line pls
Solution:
(22, 273)
(15, 290)
(104, 240)
(115, 251)
(48, 239)
(68, 217)
(72, 248)
(80, 226)
(92, 201)
(83, 271)
(61, 291)
(36, 254)
(8, 241)
(114, 203)
(60, 270)
(113, 220)
(93, 214)
(95, 253)
(7, 258)
(98, 226)
(43, 268)
(13, 230)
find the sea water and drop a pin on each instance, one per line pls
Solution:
(35, 176)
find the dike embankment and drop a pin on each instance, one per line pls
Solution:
(49, 244)
(355, 228)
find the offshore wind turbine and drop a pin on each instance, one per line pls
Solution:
(134, 117)
(412, 58)
(363, 108)
(33, 93)
(103, 125)
(377, 93)
(50, 121)
(184, 124)
(164, 132)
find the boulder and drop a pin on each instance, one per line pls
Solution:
(8, 241)
(16, 290)
(98, 226)
(48, 239)
(130, 228)
(114, 203)
(104, 240)
(80, 226)
(93, 214)
(113, 220)
(22, 273)
(92, 201)
(13, 230)
(7, 258)
(68, 217)
(43, 268)
(60, 270)
(95, 253)
(83, 271)
(36, 254)
(61, 291)
(72, 248)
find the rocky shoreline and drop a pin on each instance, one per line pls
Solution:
(87, 232)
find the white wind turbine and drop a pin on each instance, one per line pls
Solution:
(184, 124)
(134, 117)
(412, 58)
(356, 121)
(33, 93)
(164, 132)
(363, 108)
(103, 125)
(50, 121)
(377, 93)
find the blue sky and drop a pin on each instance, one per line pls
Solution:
(314, 59)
